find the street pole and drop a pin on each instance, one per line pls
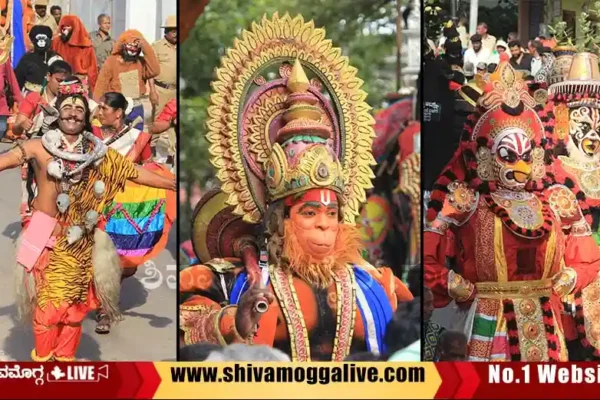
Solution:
(453, 5)
(473, 16)
(398, 45)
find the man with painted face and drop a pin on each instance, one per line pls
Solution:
(520, 246)
(75, 47)
(36, 63)
(283, 267)
(575, 127)
(132, 63)
(66, 263)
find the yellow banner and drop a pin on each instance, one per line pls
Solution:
(248, 380)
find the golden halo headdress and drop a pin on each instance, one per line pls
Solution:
(288, 115)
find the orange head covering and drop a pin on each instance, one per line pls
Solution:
(80, 36)
(128, 36)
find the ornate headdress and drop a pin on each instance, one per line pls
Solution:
(70, 88)
(578, 95)
(288, 115)
(582, 84)
(505, 107)
(573, 128)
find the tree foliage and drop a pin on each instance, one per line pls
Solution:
(364, 29)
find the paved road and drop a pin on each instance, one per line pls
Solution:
(148, 332)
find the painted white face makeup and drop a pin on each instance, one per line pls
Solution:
(513, 160)
(133, 49)
(41, 40)
(584, 123)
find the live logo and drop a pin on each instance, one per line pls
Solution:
(81, 373)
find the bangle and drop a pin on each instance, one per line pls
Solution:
(459, 288)
(218, 333)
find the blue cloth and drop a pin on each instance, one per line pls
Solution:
(378, 302)
(18, 47)
(137, 111)
(239, 288)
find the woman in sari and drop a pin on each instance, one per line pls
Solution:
(139, 219)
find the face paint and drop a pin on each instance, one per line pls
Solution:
(72, 116)
(315, 221)
(513, 161)
(72, 102)
(41, 41)
(584, 123)
(133, 49)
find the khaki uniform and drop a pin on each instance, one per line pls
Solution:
(48, 20)
(102, 47)
(166, 88)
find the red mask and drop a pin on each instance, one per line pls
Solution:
(315, 220)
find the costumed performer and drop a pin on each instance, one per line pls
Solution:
(128, 69)
(519, 251)
(294, 167)
(66, 266)
(74, 45)
(573, 125)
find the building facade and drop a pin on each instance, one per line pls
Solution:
(536, 15)
(147, 16)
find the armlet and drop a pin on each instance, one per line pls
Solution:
(220, 265)
(459, 206)
(20, 150)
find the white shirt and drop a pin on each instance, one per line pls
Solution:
(536, 65)
(475, 58)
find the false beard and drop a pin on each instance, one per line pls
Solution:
(65, 38)
(320, 273)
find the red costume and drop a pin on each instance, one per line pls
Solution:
(519, 249)
(78, 50)
(573, 124)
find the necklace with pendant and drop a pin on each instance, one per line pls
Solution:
(71, 166)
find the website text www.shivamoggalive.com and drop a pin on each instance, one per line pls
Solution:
(312, 375)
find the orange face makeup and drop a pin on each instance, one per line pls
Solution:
(315, 221)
